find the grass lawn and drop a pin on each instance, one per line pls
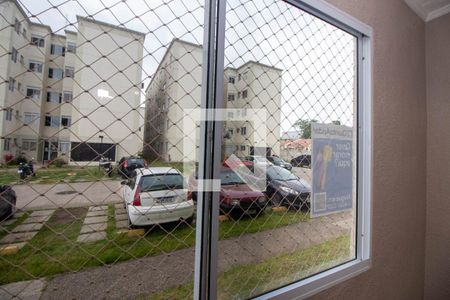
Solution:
(68, 174)
(55, 250)
(246, 281)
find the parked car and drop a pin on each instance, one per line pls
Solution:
(128, 164)
(258, 160)
(279, 162)
(156, 195)
(236, 197)
(303, 160)
(7, 202)
(284, 188)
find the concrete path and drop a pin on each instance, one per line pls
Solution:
(51, 196)
(24, 290)
(94, 225)
(144, 276)
(121, 217)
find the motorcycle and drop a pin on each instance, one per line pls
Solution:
(105, 163)
(24, 170)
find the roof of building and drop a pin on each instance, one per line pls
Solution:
(291, 135)
(91, 20)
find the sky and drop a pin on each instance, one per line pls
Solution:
(317, 59)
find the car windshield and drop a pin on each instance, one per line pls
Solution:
(277, 173)
(229, 177)
(161, 182)
(136, 161)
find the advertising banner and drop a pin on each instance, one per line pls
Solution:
(332, 169)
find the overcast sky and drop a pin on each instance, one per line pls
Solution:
(317, 59)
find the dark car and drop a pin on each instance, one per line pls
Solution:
(128, 164)
(7, 202)
(286, 189)
(279, 162)
(236, 197)
(303, 160)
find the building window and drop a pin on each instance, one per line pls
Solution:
(244, 75)
(71, 47)
(22, 59)
(7, 144)
(244, 94)
(57, 50)
(231, 97)
(37, 41)
(11, 84)
(8, 114)
(230, 132)
(53, 97)
(244, 131)
(55, 73)
(17, 26)
(14, 54)
(231, 79)
(68, 96)
(239, 77)
(69, 72)
(66, 121)
(64, 147)
(29, 145)
(239, 95)
(19, 86)
(52, 121)
(35, 66)
(242, 148)
(30, 118)
(34, 93)
(24, 32)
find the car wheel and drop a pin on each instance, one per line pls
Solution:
(277, 200)
(189, 220)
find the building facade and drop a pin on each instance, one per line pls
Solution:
(68, 95)
(176, 88)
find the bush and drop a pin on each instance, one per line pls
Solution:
(58, 163)
(16, 161)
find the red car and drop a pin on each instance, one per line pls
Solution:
(235, 195)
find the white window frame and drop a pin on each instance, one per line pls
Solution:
(38, 66)
(64, 96)
(67, 144)
(34, 96)
(31, 118)
(206, 252)
(40, 41)
(29, 143)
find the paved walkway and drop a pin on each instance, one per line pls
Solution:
(24, 290)
(94, 225)
(48, 196)
(144, 276)
(21, 234)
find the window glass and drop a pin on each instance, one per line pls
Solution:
(35, 66)
(55, 73)
(69, 72)
(37, 41)
(57, 50)
(68, 96)
(54, 97)
(34, 93)
(71, 47)
(30, 118)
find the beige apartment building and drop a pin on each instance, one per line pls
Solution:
(176, 87)
(73, 95)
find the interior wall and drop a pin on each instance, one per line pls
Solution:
(399, 145)
(437, 258)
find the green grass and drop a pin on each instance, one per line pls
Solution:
(55, 250)
(246, 281)
(4, 230)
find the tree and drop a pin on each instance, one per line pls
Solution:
(305, 127)
(336, 122)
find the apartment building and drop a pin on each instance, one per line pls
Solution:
(64, 97)
(176, 87)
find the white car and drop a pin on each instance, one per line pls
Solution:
(156, 195)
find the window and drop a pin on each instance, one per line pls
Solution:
(239, 77)
(69, 72)
(244, 94)
(8, 114)
(55, 73)
(52, 121)
(66, 121)
(19, 86)
(68, 96)
(239, 95)
(230, 97)
(22, 60)
(53, 97)
(34, 93)
(11, 84)
(230, 131)
(29, 145)
(31, 118)
(64, 146)
(231, 79)
(244, 75)
(38, 41)
(57, 50)
(243, 130)
(35, 66)
(17, 26)
(71, 47)
(14, 54)
(24, 32)
(242, 148)
(6, 144)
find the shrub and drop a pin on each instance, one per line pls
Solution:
(59, 163)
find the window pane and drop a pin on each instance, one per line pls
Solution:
(295, 150)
